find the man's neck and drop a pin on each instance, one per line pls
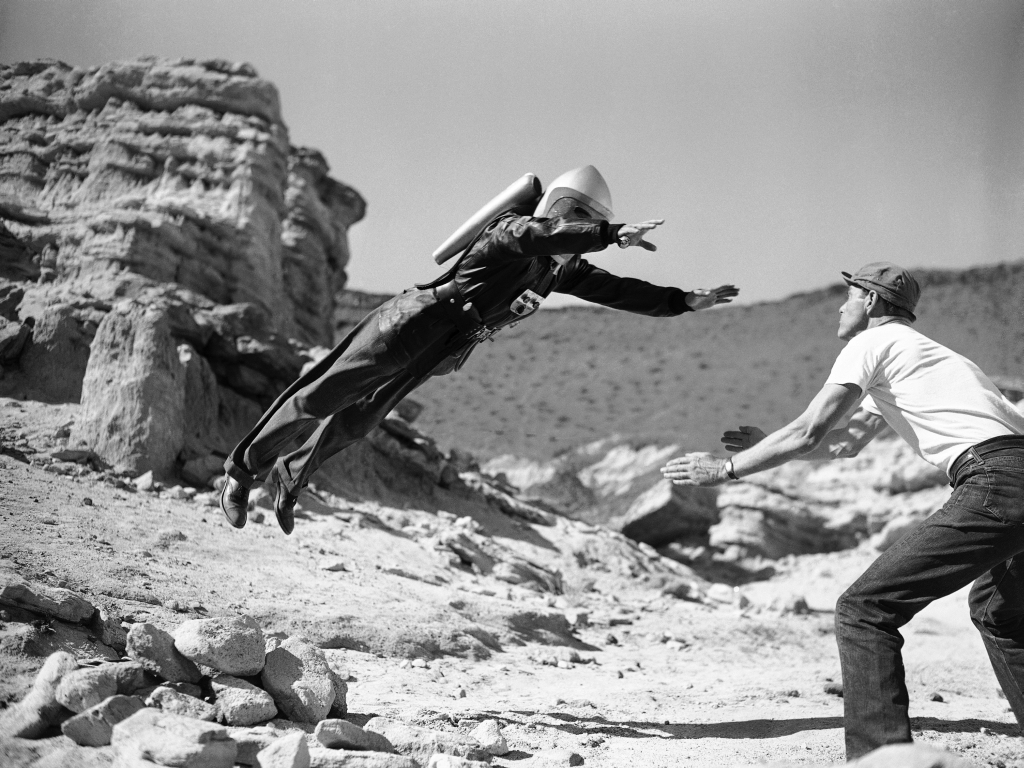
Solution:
(877, 322)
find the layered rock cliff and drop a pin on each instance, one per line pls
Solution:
(159, 206)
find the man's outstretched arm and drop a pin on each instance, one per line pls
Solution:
(795, 440)
(843, 443)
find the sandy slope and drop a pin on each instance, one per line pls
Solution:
(657, 681)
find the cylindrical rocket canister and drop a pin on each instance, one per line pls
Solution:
(524, 190)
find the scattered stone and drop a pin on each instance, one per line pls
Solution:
(84, 688)
(87, 502)
(231, 644)
(55, 602)
(297, 675)
(555, 758)
(170, 700)
(144, 482)
(936, 696)
(251, 741)
(797, 605)
(31, 716)
(93, 727)
(154, 649)
(490, 737)
(332, 565)
(577, 619)
(448, 761)
(290, 751)
(168, 739)
(834, 689)
(421, 743)
(419, 663)
(321, 757)
(242, 703)
(341, 734)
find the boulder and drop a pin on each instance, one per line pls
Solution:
(421, 743)
(84, 688)
(168, 739)
(154, 649)
(230, 644)
(343, 758)
(667, 512)
(241, 703)
(290, 751)
(555, 758)
(488, 734)
(93, 727)
(894, 530)
(31, 716)
(133, 396)
(54, 361)
(55, 602)
(252, 740)
(773, 524)
(341, 734)
(170, 700)
(297, 675)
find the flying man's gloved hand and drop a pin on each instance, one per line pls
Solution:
(697, 469)
(703, 298)
(633, 234)
(742, 439)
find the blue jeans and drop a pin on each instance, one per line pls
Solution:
(978, 536)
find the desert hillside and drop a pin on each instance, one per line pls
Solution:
(571, 376)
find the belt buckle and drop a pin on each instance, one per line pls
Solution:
(483, 333)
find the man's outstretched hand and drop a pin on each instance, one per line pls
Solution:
(742, 439)
(703, 298)
(696, 469)
(635, 233)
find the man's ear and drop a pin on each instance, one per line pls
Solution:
(870, 302)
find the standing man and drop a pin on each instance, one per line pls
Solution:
(513, 264)
(955, 418)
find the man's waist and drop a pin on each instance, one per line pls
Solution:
(979, 451)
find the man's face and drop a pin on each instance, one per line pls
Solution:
(853, 315)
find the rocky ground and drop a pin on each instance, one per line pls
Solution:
(568, 635)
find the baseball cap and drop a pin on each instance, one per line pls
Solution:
(890, 281)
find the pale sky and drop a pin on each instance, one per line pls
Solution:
(781, 140)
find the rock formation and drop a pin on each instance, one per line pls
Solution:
(166, 255)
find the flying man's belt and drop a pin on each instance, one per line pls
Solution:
(461, 312)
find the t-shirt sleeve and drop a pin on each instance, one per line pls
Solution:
(868, 404)
(855, 365)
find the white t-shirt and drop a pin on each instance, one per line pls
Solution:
(938, 401)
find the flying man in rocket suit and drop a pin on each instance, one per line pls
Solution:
(518, 256)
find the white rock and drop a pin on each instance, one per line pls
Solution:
(173, 740)
(242, 703)
(297, 675)
(93, 727)
(489, 734)
(154, 649)
(231, 644)
(289, 751)
(341, 734)
(86, 687)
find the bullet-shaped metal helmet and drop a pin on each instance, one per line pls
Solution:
(585, 186)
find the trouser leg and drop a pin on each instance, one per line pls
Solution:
(951, 549)
(355, 368)
(997, 610)
(342, 429)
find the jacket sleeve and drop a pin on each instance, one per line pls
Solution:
(585, 281)
(526, 237)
